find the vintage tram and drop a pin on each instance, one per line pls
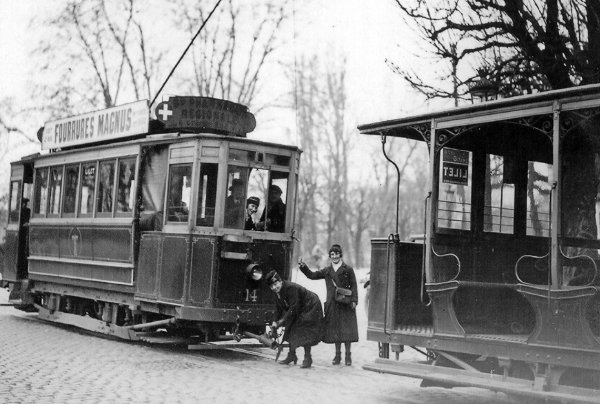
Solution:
(137, 223)
(503, 293)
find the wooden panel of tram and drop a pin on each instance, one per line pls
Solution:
(80, 254)
(172, 264)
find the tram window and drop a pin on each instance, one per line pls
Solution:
(71, 180)
(88, 183)
(258, 183)
(538, 199)
(106, 182)
(242, 155)
(499, 196)
(126, 191)
(15, 202)
(454, 200)
(180, 187)
(207, 194)
(40, 201)
(237, 181)
(56, 175)
(273, 217)
(277, 159)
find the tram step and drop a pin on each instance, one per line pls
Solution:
(163, 338)
(453, 377)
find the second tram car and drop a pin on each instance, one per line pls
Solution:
(504, 291)
(126, 223)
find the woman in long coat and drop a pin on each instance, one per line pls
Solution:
(340, 323)
(299, 311)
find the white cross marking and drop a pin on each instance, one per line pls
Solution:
(165, 112)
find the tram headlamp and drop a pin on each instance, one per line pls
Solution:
(254, 271)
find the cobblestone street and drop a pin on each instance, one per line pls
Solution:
(45, 363)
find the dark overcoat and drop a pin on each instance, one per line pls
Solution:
(299, 310)
(339, 324)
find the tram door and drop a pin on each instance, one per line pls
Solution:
(17, 231)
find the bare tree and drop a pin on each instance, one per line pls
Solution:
(96, 53)
(524, 44)
(306, 103)
(227, 60)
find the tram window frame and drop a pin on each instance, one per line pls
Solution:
(179, 214)
(53, 200)
(544, 197)
(494, 218)
(40, 205)
(276, 180)
(207, 194)
(118, 206)
(71, 212)
(99, 194)
(236, 174)
(88, 164)
(14, 202)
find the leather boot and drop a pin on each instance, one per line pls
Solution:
(348, 359)
(306, 362)
(337, 358)
(291, 357)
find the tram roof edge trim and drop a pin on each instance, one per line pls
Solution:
(108, 124)
(395, 127)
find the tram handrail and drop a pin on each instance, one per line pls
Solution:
(517, 266)
(591, 282)
(423, 263)
(583, 256)
(448, 255)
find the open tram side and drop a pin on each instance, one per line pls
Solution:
(504, 292)
(149, 228)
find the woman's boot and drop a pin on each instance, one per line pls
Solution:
(337, 358)
(348, 359)
(291, 357)
(307, 361)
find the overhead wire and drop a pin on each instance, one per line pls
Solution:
(185, 51)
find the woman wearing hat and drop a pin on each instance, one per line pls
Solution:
(340, 325)
(299, 311)
(252, 204)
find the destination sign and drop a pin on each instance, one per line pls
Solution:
(112, 123)
(205, 114)
(455, 166)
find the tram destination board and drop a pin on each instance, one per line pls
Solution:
(205, 113)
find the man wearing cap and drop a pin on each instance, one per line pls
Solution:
(234, 204)
(275, 212)
(340, 324)
(252, 204)
(299, 311)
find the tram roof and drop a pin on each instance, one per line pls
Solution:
(572, 98)
(159, 138)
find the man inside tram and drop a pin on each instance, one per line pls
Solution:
(234, 204)
(252, 204)
(275, 212)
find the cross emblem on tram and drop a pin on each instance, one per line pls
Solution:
(165, 112)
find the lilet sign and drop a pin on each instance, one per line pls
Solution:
(455, 167)
(108, 124)
(205, 114)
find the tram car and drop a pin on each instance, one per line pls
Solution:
(125, 223)
(503, 293)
